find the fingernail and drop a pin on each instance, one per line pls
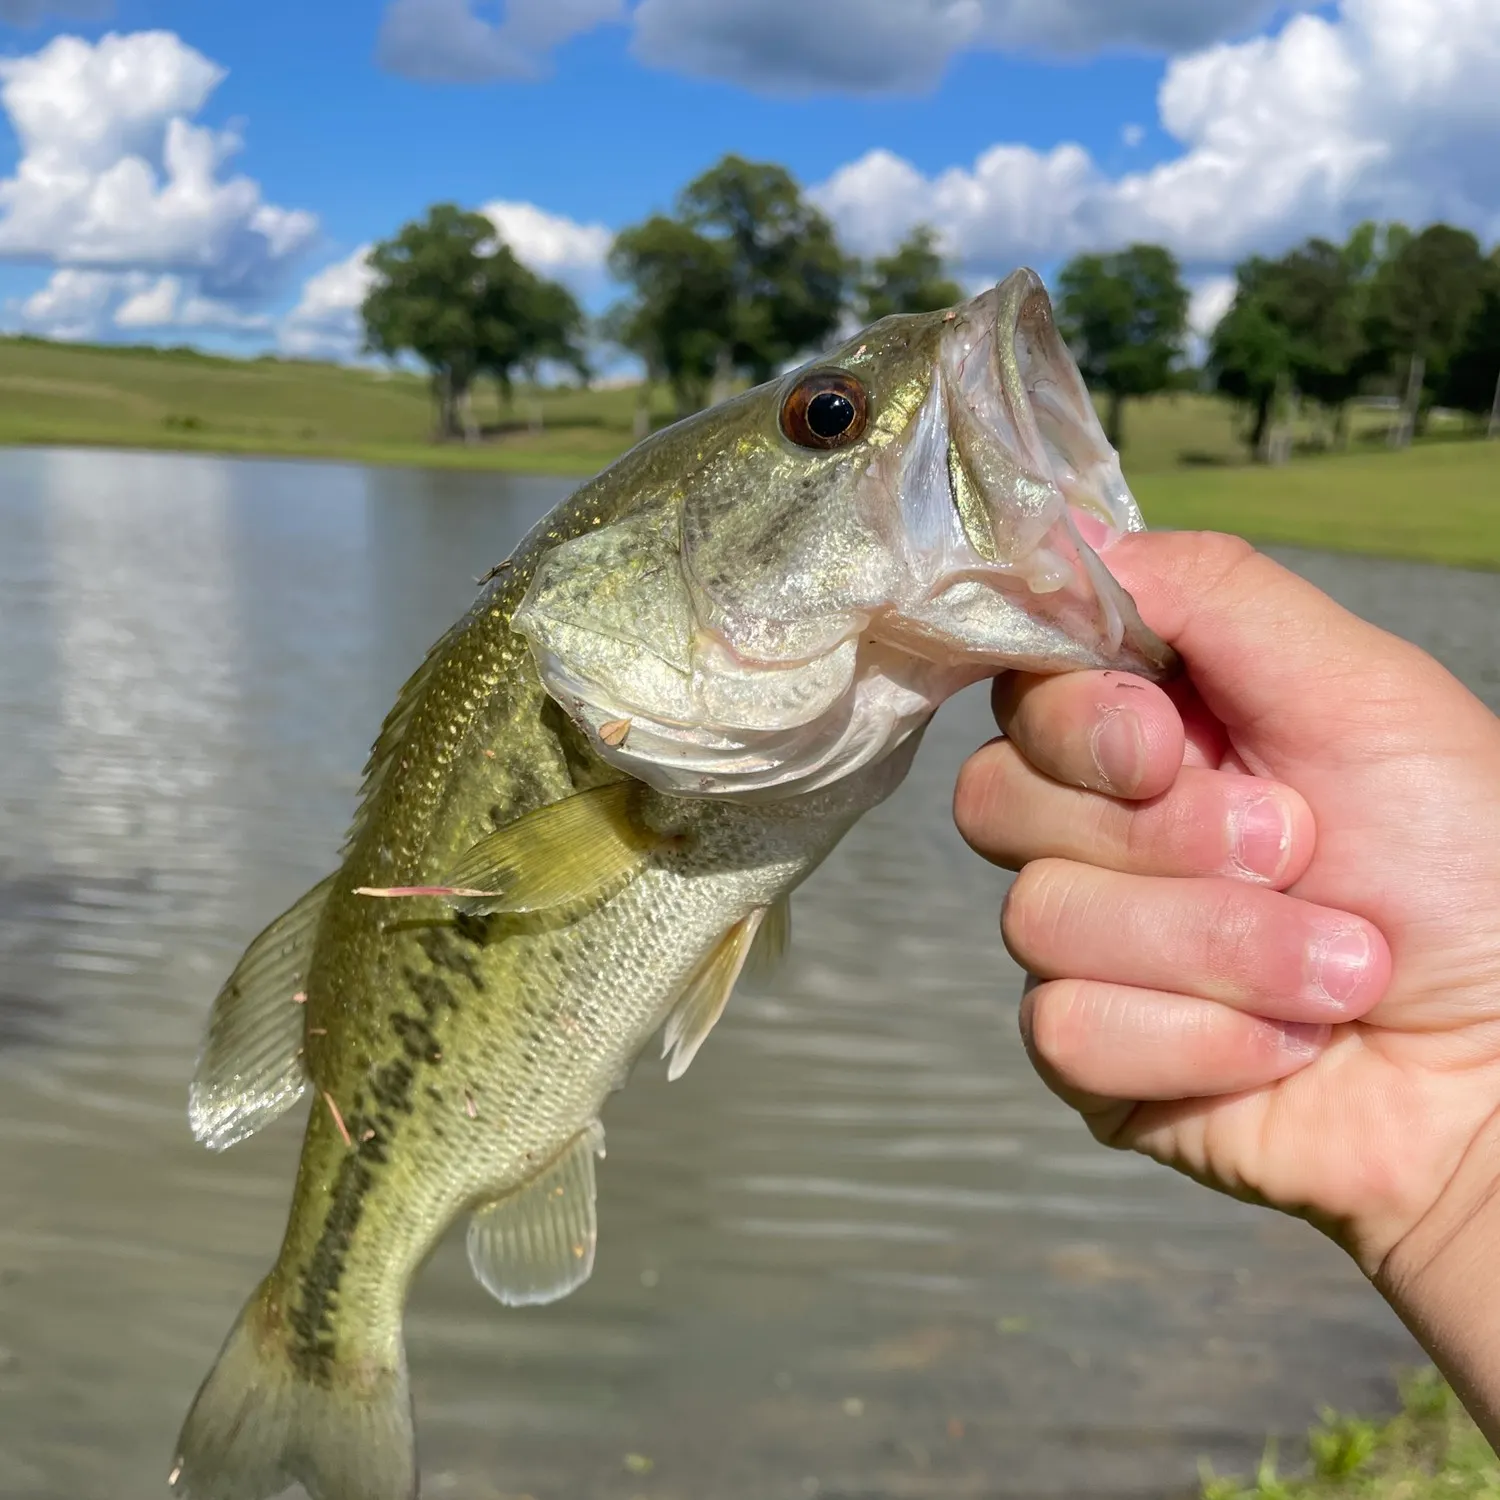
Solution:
(1260, 838)
(1338, 963)
(1118, 745)
(1303, 1038)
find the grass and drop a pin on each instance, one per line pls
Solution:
(1430, 1450)
(1183, 453)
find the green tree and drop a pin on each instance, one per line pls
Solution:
(680, 318)
(1250, 352)
(911, 279)
(790, 278)
(449, 291)
(1125, 316)
(1421, 297)
(1471, 381)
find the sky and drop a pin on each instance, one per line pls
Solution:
(211, 171)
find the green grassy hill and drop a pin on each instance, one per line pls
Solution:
(1183, 453)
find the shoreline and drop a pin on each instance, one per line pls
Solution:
(1437, 502)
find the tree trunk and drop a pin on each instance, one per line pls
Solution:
(446, 397)
(465, 413)
(1260, 426)
(1114, 428)
(1406, 424)
(640, 423)
(1494, 427)
(1341, 425)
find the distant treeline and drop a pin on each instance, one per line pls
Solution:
(747, 276)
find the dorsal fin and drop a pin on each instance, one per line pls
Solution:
(251, 1067)
(386, 748)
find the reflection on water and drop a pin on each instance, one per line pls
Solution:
(857, 1251)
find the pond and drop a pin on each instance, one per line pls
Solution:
(857, 1251)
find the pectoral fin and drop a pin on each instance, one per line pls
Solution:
(707, 993)
(251, 1068)
(537, 1244)
(567, 852)
(772, 940)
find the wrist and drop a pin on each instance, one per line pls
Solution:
(1440, 1279)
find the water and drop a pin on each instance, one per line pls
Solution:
(857, 1252)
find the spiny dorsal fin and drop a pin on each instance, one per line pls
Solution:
(537, 1244)
(707, 993)
(251, 1068)
(567, 852)
(386, 748)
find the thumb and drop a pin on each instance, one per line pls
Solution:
(1290, 674)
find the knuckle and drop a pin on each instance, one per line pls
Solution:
(1035, 918)
(1232, 934)
(1056, 1024)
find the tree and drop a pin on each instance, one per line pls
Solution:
(1250, 352)
(1125, 316)
(1422, 295)
(1471, 381)
(680, 320)
(789, 276)
(909, 280)
(449, 291)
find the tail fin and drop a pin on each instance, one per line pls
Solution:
(258, 1425)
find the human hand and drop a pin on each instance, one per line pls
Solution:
(1284, 983)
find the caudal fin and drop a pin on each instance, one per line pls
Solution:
(259, 1425)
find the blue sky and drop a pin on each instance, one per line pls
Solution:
(183, 171)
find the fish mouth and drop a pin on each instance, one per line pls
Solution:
(1009, 495)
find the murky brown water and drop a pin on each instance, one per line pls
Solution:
(856, 1252)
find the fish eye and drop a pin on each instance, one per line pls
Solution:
(827, 409)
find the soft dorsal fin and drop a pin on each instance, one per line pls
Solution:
(251, 1068)
(569, 851)
(707, 993)
(537, 1244)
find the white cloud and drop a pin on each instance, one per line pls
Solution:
(113, 174)
(82, 304)
(456, 41)
(1390, 109)
(169, 303)
(1132, 135)
(550, 244)
(325, 323)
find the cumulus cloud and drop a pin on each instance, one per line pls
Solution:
(82, 304)
(325, 322)
(550, 244)
(114, 176)
(469, 41)
(1389, 109)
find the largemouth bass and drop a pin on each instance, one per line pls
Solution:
(589, 805)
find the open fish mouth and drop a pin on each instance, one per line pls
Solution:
(1010, 492)
(968, 542)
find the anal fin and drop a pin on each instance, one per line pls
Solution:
(707, 993)
(537, 1244)
(250, 1069)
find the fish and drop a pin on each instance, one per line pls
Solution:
(587, 812)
